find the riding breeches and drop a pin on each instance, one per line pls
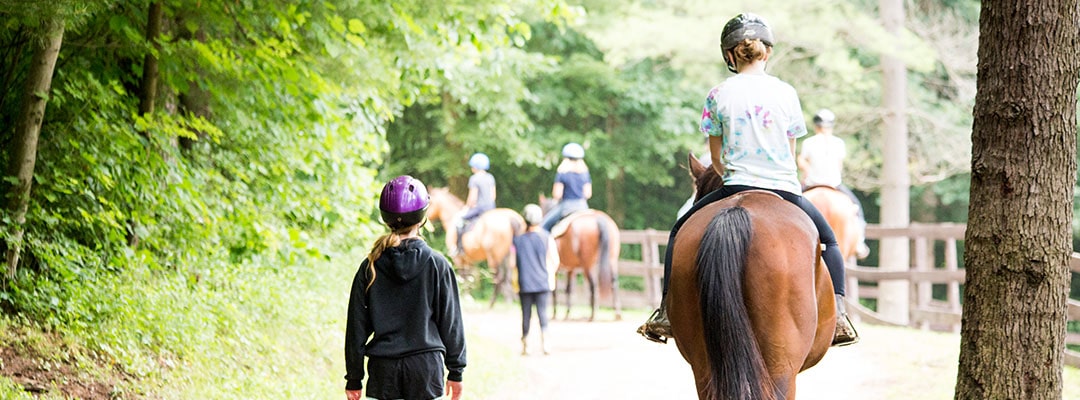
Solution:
(834, 261)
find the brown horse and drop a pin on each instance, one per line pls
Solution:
(489, 239)
(588, 242)
(751, 303)
(841, 214)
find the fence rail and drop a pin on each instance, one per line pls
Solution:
(926, 272)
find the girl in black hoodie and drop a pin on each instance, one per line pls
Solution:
(404, 311)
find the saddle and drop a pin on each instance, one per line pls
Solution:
(742, 193)
(560, 228)
(807, 188)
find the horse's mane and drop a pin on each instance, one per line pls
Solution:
(443, 204)
(706, 179)
(444, 193)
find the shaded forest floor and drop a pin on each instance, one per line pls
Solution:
(41, 365)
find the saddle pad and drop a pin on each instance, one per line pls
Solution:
(560, 228)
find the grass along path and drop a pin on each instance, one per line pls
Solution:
(607, 359)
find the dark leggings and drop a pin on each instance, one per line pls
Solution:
(833, 260)
(528, 300)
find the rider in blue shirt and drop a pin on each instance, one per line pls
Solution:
(573, 185)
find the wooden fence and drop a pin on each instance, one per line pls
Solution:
(935, 264)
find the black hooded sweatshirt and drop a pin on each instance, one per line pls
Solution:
(411, 308)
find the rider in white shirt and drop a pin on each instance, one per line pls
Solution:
(821, 161)
(753, 120)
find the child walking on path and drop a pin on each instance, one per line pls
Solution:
(534, 281)
(404, 313)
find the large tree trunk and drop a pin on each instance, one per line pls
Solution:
(894, 296)
(1022, 175)
(148, 86)
(195, 102)
(27, 127)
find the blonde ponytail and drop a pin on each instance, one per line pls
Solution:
(392, 239)
(382, 243)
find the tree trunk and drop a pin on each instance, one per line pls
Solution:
(895, 208)
(150, 64)
(27, 127)
(195, 102)
(614, 191)
(1022, 175)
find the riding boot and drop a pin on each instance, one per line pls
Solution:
(457, 250)
(845, 333)
(525, 346)
(658, 327)
(543, 343)
(862, 250)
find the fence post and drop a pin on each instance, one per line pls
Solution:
(923, 289)
(953, 292)
(648, 258)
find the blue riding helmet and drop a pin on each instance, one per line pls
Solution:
(480, 161)
(573, 151)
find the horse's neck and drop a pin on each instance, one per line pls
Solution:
(449, 206)
(447, 219)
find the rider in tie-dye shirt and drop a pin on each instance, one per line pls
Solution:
(752, 120)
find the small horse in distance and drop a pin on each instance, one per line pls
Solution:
(489, 239)
(842, 216)
(751, 303)
(588, 241)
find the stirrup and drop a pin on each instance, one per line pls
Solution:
(845, 333)
(657, 328)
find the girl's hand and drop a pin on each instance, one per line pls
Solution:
(453, 390)
(354, 394)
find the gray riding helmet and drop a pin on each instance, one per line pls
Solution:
(743, 26)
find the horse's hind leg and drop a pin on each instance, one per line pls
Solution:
(569, 288)
(785, 387)
(502, 280)
(615, 298)
(594, 294)
(498, 287)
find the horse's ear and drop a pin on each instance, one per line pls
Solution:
(696, 168)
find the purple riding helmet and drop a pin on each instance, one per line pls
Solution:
(404, 202)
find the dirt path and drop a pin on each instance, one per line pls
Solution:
(607, 359)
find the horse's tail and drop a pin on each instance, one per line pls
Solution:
(606, 276)
(738, 370)
(517, 226)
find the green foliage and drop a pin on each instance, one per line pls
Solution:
(205, 247)
(637, 112)
(202, 264)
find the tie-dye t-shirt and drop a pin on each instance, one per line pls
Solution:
(756, 115)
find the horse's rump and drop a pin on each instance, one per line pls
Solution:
(491, 235)
(781, 280)
(841, 215)
(589, 239)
